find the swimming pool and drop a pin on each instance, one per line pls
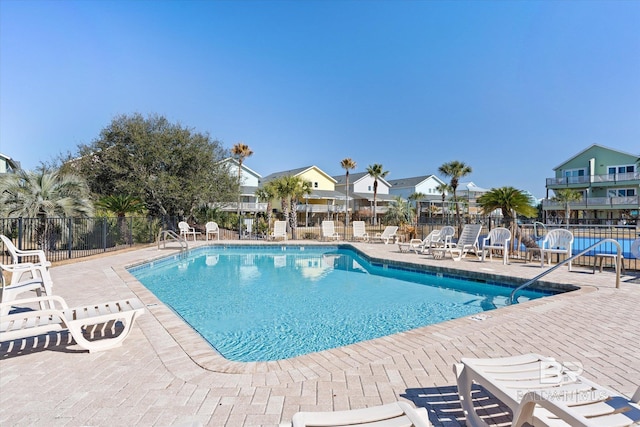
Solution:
(271, 303)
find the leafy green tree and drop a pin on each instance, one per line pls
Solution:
(347, 164)
(455, 170)
(511, 202)
(377, 172)
(566, 196)
(44, 195)
(171, 169)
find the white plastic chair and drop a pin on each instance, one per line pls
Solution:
(498, 239)
(279, 230)
(186, 230)
(211, 228)
(557, 241)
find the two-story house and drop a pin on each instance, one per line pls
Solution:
(608, 181)
(324, 202)
(7, 164)
(250, 180)
(361, 195)
(431, 203)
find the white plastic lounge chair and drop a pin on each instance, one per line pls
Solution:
(279, 230)
(93, 320)
(360, 231)
(468, 241)
(424, 246)
(211, 228)
(541, 392)
(399, 414)
(557, 241)
(328, 231)
(387, 235)
(446, 235)
(18, 256)
(39, 281)
(186, 230)
(498, 239)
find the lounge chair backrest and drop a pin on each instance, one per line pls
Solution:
(469, 235)
(560, 238)
(279, 229)
(390, 230)
(328, 228)
(360, 230)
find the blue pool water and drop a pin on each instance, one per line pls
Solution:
(260, 304)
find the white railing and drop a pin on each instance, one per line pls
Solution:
(594, 202)
(614, 177)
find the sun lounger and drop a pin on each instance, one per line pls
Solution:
(279, 230)
(39, 281)
(542, 392)
(94, 320)
(360, 231)
(424, 246)
(467, 242)
(328, 231)
(399, 414)
(387, 235)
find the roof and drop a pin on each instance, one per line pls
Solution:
(471, 187)
(295, 172)
(355, 177)
(412, 182)
(244, 165)
(589, 148)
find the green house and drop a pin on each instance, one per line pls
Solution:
(608, 181)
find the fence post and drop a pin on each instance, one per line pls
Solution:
(70, 243)
(20, 232)
(104, 234)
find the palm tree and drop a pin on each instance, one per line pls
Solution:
(240, 151)
(399, 213)
(267, 193)
(376, 172)
(416, 197)
(121, 205)
(289, 189)
(43, 194)
(566, 196)
(511, 202)
(443, 189)
(455, 170)
(347, 164)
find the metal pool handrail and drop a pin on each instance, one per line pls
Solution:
(165, 235)
(560, 264)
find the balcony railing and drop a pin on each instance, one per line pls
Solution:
(595, 203)
(615, 178)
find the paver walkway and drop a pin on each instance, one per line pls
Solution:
(165, 374)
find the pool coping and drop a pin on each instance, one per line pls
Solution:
(318, 364)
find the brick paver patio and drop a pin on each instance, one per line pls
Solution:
(165, 374)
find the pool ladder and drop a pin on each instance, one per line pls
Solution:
(165, 235)
(512, 299)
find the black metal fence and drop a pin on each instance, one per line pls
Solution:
(68, 238)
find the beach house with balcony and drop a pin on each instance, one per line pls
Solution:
(324, 202)
(361, 195)
(431, 204)
(250, 180)
(608, 181)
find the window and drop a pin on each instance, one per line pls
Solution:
(621, 192)
(574, 175)
(622, 169)
(369, 188)
(315, 184)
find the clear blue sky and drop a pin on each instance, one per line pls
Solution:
(512, 88)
